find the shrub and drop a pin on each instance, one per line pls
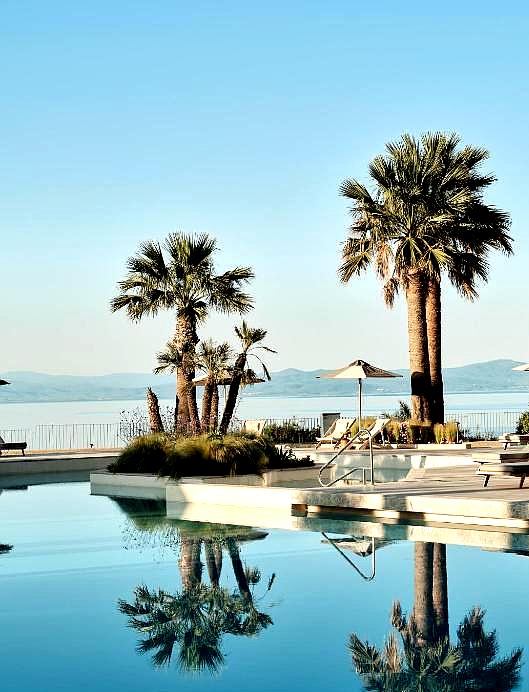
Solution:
(420, 433)
(522, 427)
(451, 430)
(291, 432)
(439, 432)
(214, 455)
(146, 454)
(284, 457)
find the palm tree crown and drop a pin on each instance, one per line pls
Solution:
(180, 275)
(426, 216)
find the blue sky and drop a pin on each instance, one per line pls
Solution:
(126, 120)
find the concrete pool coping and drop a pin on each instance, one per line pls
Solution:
(461, 500)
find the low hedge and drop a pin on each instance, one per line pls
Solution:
(214, 455)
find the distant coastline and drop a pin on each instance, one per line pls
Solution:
(489, 377)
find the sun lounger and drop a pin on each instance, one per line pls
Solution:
(6, 446)
(517, 469)
(502, 456)
(509, 439)
(338, 432)
(254, 426)
(361, 439)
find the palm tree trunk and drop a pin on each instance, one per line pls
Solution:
(433, 323)
(217, 549)
(207, 398)
(186, 340)
(423, 614)
(440, 591)
(211, 563)
(189, 561)
(233, 393)
(418, 347)
(214, 410)
(238, 569)
(153, 409)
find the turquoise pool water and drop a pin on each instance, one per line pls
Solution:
(281, 617)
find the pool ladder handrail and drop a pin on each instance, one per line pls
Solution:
(365, 577)
(357, 468)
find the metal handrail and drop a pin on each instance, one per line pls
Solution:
(348, 559)
(357, 468)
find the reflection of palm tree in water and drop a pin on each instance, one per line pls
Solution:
(196, 618)
(418, 655)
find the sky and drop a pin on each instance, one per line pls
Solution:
(128, 120)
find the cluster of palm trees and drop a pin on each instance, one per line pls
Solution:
(425, 219)
(179, 275)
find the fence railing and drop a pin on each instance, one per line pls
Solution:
(475, 424)
(484, 424)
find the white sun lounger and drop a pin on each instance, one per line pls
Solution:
(361, 439)
(254, 426)
(337, 432)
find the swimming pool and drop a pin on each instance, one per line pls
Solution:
(111, 594)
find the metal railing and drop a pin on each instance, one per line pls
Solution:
(486, 425)
(356, 438)
(475, 424)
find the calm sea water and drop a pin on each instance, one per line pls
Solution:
(29, 415)
(282, 619)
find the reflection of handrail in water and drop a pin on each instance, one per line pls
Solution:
(357, 468)
(348, 559)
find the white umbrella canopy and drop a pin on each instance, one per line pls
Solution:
(227, 378)
(522, 368)
(359, 370)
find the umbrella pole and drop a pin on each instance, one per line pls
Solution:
(359, 404)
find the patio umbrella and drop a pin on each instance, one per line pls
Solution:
(522, 368)
(226, 379)
(359, 370)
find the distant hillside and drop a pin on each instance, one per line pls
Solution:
(495, 375)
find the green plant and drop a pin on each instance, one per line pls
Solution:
(284, 457)
(451, 429)
(146, 454)
(522, 427)
(439, 432)
(291, 432)
(420, 433)
(202, 455)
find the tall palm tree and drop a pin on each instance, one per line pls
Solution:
(179, 275)
(214, 359)
(250, 339)
(426, 217)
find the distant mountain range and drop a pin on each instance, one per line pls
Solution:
(491, 376)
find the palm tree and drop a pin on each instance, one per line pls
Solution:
(214, 359)
(153, 411)
(169, 360)
(427, 217)
(250, 338)
(179, 275)
(436, 666)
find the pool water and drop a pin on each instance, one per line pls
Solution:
(101, 594)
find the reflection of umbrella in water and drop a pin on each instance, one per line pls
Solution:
(359, 370)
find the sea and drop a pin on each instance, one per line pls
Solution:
(28, 415)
